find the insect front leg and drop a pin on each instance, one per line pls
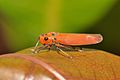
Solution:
(48, 47)
(35, 48)
(38, 49)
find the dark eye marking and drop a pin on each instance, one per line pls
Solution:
(54, 38)
(45, 38)
(53, 34)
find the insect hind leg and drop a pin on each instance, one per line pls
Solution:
(63, 46)
(78, 49)
(64, 53)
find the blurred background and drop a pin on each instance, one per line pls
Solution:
(21, 21)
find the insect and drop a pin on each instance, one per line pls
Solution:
(62, 40)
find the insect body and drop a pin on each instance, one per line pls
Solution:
(67, 39)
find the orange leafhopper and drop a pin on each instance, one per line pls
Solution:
(62, 40)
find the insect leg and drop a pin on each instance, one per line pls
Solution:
(70, 48)
(35, 48)
(78, 49)
(64, 53)
(49, 47)
(41, 48)
(45, 46)
(62, 46)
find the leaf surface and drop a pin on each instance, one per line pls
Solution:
(86, 65)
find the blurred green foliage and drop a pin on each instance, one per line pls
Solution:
(26, 19)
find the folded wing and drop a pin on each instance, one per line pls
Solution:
(78, 39)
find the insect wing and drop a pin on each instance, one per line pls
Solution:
(78, 39)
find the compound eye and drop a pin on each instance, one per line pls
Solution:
(45, 38)
(53, 34)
